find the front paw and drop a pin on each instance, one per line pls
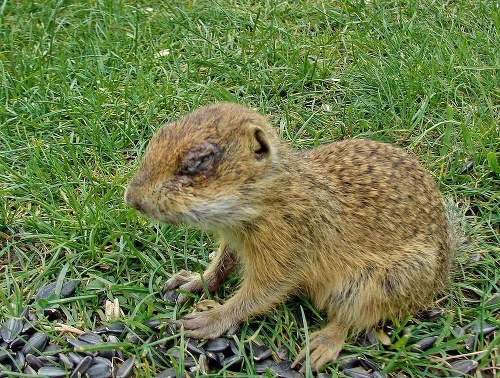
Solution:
(182, 278)
(208, 324)
(185, 281)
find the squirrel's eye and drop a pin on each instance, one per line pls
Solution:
(199, 159)
(200, 164)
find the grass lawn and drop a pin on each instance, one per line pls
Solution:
(85, 84)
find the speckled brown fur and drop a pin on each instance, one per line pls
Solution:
(357, 226)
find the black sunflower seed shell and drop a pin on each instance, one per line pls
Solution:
(126, 368)
(357, 373)
(35, 344)
(99, 371)
(34, 361)
(52, 371)
(11, 329)
(484, 329)
(82, 367)
(462, 367)
(425, 343)
(91, 338)
(46, 291)
(216, 345)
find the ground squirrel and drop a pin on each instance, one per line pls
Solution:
(357, 226)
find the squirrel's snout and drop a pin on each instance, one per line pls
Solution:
(132, 200)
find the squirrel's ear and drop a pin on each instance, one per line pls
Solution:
(259, 144)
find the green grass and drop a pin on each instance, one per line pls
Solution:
(85, 85)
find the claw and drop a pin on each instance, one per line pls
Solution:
(298, 360)
(171, 296)
(208, 324)
(323, 348)
(178, 279)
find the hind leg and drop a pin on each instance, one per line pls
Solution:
(324, 346)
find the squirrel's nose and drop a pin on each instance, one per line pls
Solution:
(132, 199)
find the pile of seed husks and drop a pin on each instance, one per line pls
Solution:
(26, 348)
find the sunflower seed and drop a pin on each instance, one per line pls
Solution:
(154, 324)
(113, 339)
(28, 327)
(29, 371)
(462, 367)
(20, 359)
(52, 349)
(116, 352)
(458, 331)
(77, 343)
(76, 358)
(493, 300)
(470, 342)
(216, 345)
(233, 362)
(469, 165)
(116, 328)
(424, 344)
(49, 360)
(82, 367)
(261, 352)
(65, 361)
(136, 337)
(189, 362)
(261, 367)
(169, 373)
(126, 368)
(99, 371)
(233, 345)
(11, 329)
(349, 363)
(51, 314)
(91, 338)
(191, 346)
(283, 370)
(174, 352)
(35, 343)
(24, 314)
(484, 329)
(101, 361)
(368, 339)
(217, 357)
(368, 365)
(18, 342)
(46, 291)
(34, 361)
(357, 373)
(106, 353)
(52, 371)
(160, 356)
(431, 314)
(4, 355)
(232, 331)
(68, 289)
(282, 352)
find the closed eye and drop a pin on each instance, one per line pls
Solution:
(200, 165)
(200, 159)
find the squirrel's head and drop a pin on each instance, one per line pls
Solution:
(205, 168)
